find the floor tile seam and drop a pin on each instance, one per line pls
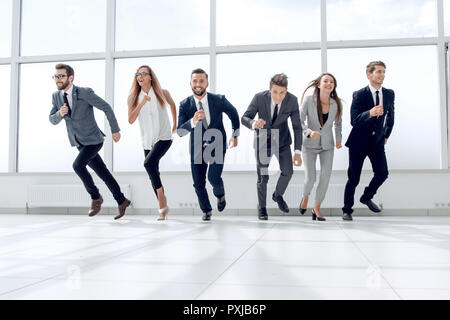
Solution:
(118, 240)
(371, 263)
(25, 286)
(236, 260)
(88, 265)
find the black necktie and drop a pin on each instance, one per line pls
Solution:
(275, 114)
(66, 101)
(377, 98)
(204, 122)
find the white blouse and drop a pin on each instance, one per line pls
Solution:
(153, 121)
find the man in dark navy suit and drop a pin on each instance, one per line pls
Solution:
(372, 118)
(201, 116)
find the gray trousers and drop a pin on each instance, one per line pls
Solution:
(285, 160)
(326, 164)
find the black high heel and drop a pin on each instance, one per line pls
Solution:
(302, 211)
(315, 217)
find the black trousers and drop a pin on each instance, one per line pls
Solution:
(89, 156)
(214, 177)
(377, 157)
(151, 162)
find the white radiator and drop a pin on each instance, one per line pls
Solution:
(69, 195)
(334, 197)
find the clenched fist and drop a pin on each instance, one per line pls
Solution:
(64, 110)
(116, 136)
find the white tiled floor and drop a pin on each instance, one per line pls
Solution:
(231, 257)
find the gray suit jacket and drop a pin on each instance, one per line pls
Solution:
(309, 113)
(81, 124)
(289, 109)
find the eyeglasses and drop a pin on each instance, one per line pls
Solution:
(142, 74)
(59, 76)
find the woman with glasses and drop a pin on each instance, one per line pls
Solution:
(148, 103)
(322, 110)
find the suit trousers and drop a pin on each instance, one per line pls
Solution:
(377, 157)
(284, 157)
(214, 171)
(151, 162)
(89, 156)
(326, 165)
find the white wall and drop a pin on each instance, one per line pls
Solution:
(403, 189)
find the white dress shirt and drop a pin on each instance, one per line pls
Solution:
(69, 95)
(153, 121)
(272, 110)
(374, 95)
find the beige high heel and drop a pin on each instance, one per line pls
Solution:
(163, 213)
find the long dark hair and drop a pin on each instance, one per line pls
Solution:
(136, 89)
(315, 83)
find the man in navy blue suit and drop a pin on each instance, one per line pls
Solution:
(201, 116)
(372, 118)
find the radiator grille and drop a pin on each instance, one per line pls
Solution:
(69, 196)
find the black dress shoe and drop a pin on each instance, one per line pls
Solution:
(282, 205)
(262, 214)
(315, 216)
(347, 217)
(300, 209)
(206, 216)
(372, 206)
(221, 203)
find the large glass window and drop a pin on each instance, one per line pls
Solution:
(447, 17)
(144, 24)
(5, 27)
(241, 76)
(380, 19)
(412, 74)
(267, 21)
(4, 115)
(174, 75)
(44, 147)
(63, 26)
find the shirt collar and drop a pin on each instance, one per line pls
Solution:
(273, 104)
(69, 92)
(150, 92)
(204, 99)
(373, 90)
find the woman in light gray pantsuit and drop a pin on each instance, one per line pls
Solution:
(320, 110)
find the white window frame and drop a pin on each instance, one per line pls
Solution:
(109, 57)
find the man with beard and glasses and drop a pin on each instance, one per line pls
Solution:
(201, 116)
(75, 105)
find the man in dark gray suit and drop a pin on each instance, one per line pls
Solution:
(74, 105)
(272, 137)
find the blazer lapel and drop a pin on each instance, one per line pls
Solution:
(74, 98)
(211, 109)
(314, 111)
(370, 97)
(267, 108)
(281, 107)
(194, 107)
(384, 96)
(332, 113)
